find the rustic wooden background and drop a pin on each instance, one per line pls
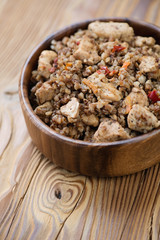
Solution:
(38, 200)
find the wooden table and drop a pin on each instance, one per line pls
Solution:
(39, 200)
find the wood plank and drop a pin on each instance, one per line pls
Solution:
(153, 12)
(111, 208)
(122, 211)
(38, 200)
(42, 205)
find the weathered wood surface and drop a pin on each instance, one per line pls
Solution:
(38, 200)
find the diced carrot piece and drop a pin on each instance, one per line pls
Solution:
(90, 85)
(125, 65)
(68, 65)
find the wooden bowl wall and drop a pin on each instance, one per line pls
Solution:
(93, 159)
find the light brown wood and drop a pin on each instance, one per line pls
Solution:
(89, 208)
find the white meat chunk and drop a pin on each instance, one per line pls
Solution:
(155, 74)
(44, 109)
(148, 64)
(44, 93)
(140, 41)
(91, 120)
(87, 51)
(107, 45)
(101, 88)
(142, 120)
(110, 130)
(71, 109)
(112, 30)
(45, 62)
(137, 96)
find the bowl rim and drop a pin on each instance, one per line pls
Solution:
(23, 92)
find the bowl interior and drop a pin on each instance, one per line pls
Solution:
(140, 28)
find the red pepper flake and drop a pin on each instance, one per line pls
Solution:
(99, 71)
(106, 69)
(117, 48)
(78, 42)
(52, 70)
(56, 60)
(153, 96)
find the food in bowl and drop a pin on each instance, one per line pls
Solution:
(100, 84)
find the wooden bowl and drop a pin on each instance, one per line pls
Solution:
(93, 159)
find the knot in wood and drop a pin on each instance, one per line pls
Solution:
(58, 194)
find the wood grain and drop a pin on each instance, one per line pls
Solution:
(38, 200)
(60, 193)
